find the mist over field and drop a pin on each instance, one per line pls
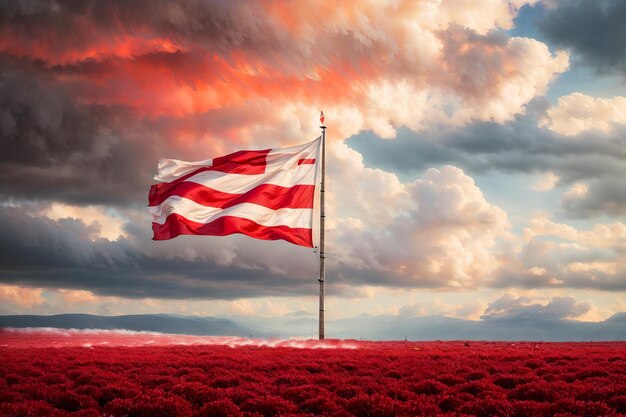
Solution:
(527, 328)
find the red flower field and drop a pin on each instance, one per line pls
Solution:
(58, 373)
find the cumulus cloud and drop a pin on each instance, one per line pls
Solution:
(501, 68)
(443, 234)
(513, 308)
(594, 158)
(578, 112)
(542, 226)
(557, 255)
(546, 183)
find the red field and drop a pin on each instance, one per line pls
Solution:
(104, 373)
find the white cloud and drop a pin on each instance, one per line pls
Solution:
(578, 112)
(576, 191)
(435, 231)
(544, 226)
(559, 255)
(547, 182)
(106, 225)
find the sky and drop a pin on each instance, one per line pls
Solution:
(476, 154)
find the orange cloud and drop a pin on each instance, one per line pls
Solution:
(177, 60)
(21, 296)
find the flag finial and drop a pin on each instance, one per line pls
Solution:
(322, 116)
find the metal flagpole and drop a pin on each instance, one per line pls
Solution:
(322, 218)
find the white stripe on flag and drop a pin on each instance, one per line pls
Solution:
(246, 180)
(239, 184)
(203, 214)
(171, 169)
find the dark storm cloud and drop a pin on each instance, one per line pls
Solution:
(204, 19)
(593, 29)
(40, 252)
(514, 278)
(605, 196)
(523, 309)
(520, 146)
(42, 29)
(54, 148)
(514, 147)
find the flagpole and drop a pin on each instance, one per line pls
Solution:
(322, 273)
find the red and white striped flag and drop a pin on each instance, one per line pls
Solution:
(266, 194)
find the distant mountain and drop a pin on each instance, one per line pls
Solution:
(618, 317)
(444, 328)
(290, 325)
(363, 326)
(145, 322)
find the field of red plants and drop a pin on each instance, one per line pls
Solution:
(117, 374)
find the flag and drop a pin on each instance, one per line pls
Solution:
(265, 194)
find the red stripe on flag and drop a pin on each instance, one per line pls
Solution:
(240, 162)
(176, 225)
(267, 195)
(239, 196)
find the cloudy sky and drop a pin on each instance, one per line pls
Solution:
(476, 153)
